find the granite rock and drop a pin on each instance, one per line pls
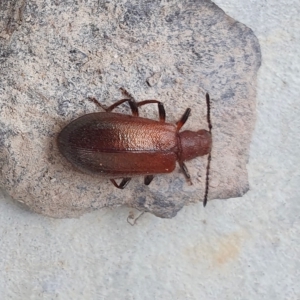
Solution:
(54, 55)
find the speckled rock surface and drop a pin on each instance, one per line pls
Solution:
(53, 56)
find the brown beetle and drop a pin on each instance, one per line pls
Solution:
(121, 146)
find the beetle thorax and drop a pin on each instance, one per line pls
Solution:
(194, 144)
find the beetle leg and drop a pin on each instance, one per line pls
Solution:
(96, 102)
(123, 183)
(161, 108)
(183, 119)
(126, 93)
(132, 103)
(185, 171)
(148, 179)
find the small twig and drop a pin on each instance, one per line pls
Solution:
(131, 217)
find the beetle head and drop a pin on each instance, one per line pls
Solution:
(194, 144)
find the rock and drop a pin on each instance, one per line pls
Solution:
(153, 80)
(53, 56)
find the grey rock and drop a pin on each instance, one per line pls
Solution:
(153, 80)
(53, 55)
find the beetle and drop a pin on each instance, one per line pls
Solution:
(118, 146)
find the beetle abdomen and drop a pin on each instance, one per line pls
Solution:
(118, 145)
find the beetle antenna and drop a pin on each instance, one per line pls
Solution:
(209, 155)
(208, 112)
